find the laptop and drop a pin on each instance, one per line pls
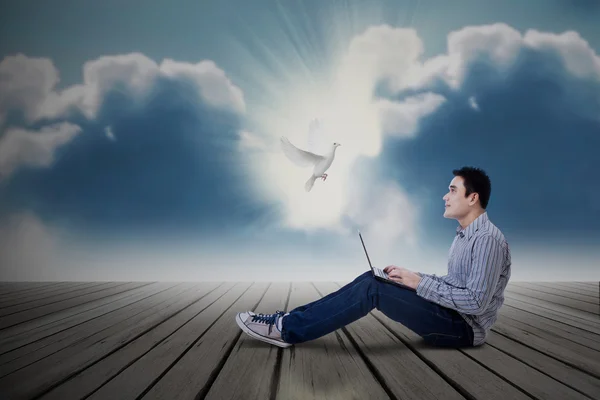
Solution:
(379, 273)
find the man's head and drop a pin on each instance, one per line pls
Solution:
(469, 193)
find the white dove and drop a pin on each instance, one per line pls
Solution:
(303, 158)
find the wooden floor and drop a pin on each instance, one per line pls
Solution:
(115, 340)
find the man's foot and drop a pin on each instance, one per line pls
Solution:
(262, 326)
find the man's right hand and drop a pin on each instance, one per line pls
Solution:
(390, 268)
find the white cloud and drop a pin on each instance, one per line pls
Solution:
(402, 118)
(29, 84)
(473, 103)
(353, 116)
(23, 147)
(25, 84)
(110, 134)
(251, 141)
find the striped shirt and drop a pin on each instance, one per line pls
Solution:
(479, 268)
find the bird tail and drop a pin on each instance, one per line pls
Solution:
(309, 183)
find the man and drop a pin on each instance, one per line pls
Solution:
(454, 310)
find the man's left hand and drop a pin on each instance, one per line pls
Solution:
(404, 276)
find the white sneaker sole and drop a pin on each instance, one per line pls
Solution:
(255, 335)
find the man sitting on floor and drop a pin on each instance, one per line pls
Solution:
(453, 310)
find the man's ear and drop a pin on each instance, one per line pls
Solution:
(474, 197)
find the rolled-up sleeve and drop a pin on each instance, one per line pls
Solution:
(488, 256)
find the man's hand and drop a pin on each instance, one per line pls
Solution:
(403, 276)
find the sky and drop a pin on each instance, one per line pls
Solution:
(140, 141)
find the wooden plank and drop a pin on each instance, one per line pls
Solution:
(195, 371)
(67, 294)
(37, 378)
(31, 290)
(24, 298)
(401, 371)
(456, 366)
(553, 298)
(30, 353)
(22, 337)
(12, 288)
(571, 288)
(462, 371)
(590, 284)
(131, 369)
(328, 367)
(578, 314)
(29, 315)
(558, 292)
(571, 353)
(560, 329)
(531, 381)
(551, 314)
(56, 317)
(240, 378)
(574, 378)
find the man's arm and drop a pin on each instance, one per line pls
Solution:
(474, 298)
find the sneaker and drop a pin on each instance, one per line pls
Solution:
(262, 327)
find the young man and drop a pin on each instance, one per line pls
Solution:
(454, 310)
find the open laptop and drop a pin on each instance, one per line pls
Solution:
(379, 273)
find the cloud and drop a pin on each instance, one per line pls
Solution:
(156, 152)
(29, 84)
(23, 147)
(352, 114)
(525, 107)
(401, 118)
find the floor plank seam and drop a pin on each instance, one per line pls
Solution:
(539, 370)
(221, 362)
(76, 372)
(219, 366)
(80, 339)
(81, 312)
(277, 368)
(457, 386)
(374, 371)
(557, 294)
(559, 311)
(68, 308)
(83, 322)
(562, 336)
(157, 343)
(548, 354)
(555, 303)
(520, 389)
(55, 292)
(549, 318)
(57, 301)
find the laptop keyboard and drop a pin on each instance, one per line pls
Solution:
(380, 273)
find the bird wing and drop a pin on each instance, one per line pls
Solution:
(300, 157)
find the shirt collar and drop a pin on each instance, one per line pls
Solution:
(472, 227)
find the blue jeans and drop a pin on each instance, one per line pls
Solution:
(437, 325)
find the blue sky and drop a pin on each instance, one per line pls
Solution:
(143, 143)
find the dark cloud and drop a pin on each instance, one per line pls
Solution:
(536, 132)
(173, 165)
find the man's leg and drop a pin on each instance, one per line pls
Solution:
(436, 324)
(267, 327)
(338, 292)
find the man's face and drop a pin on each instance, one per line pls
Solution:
(457, 205)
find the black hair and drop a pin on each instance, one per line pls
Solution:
(476, 181)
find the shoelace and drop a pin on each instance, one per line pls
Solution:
(268, 319)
